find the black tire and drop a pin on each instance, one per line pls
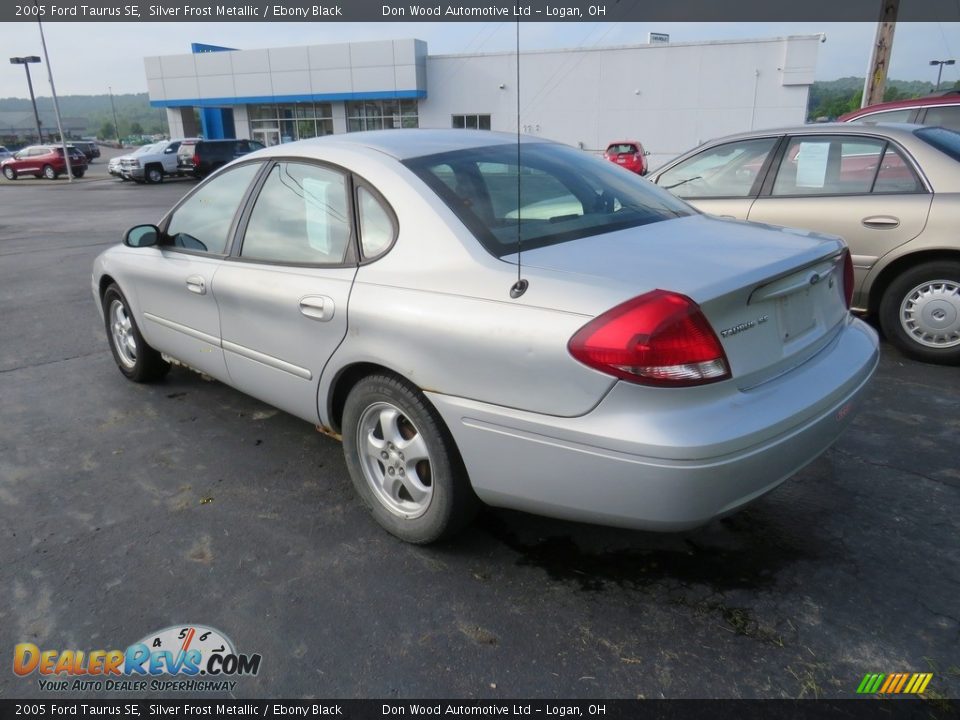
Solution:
(49, 173)
(145, 364)
(450, 504)
(153, 174)
(911, 316)
(9, 173)
(78, 173)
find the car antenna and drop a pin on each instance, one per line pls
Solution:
(520, 286)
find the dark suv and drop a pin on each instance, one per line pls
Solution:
(89, 149)
(202, 157)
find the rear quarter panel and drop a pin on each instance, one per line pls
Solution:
(437, 310)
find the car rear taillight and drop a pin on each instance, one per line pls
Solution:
(847, 278)
(196, 159)
(660, 338)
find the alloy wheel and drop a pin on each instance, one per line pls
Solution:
(395, 460)
(122, 335)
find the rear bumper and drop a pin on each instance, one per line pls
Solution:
(656, 459)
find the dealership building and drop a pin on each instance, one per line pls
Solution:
(671, 96)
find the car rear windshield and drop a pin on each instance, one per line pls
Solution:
(946, 141)
(621, 148)
(564, 194)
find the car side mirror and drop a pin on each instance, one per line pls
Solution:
(142, 236)
(646, 153)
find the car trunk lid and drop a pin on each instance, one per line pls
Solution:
(773, 296)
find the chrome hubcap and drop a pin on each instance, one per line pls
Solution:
(930, 314)
(121, 330)
(395, 460)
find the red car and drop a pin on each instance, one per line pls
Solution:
(43, 161)
(628, 154)
(942, 109)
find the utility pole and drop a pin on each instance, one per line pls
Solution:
(56, 105)
(116, 126)
(876, 80)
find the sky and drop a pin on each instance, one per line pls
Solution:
(89, 58)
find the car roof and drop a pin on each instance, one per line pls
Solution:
(893, 130)
(949, 97)
(403, 144)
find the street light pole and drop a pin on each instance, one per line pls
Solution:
(941, 63)
(25, 61)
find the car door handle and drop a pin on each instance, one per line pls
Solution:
(317, 307)
(196, 285)
(881, 222)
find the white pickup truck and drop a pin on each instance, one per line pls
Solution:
(152, 166)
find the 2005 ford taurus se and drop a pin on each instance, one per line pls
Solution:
(651, 368)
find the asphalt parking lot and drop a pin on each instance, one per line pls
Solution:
(130, 508)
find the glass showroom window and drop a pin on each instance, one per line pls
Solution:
(382, 114)
(290, 122)
(471, 122)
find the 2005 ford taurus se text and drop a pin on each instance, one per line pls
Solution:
(654, 368)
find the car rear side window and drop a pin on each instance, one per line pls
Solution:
(843, 165)
(564, 194)
(202, 223)
(301, 216)
(377, 229)
(895, 174)
(887, 116)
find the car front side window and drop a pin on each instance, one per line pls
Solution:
(730, 170)
(202, 223)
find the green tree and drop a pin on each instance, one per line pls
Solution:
(136, 128)
(108, 131)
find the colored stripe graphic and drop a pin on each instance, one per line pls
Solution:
(870, 683)
(894, 684)
(927, 677)
(891, 680)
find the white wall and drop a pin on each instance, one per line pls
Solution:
(670, 97)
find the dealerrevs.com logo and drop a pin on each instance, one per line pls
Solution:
(180, 658)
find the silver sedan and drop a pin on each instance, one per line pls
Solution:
(482, 320)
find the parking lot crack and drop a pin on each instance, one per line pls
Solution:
(886, 466)
(50, 362)
(930, 610)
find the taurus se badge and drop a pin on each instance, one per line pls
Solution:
(744, 326)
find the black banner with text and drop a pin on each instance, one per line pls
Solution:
(547, 710)
(469, 10)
